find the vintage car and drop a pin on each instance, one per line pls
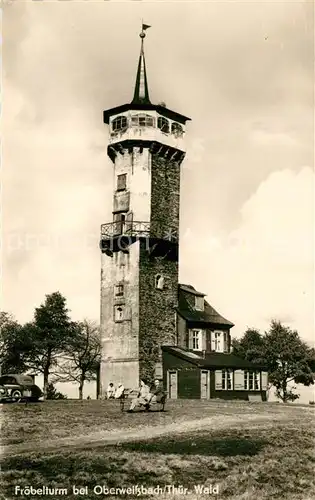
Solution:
(4, 396)
(20, 388)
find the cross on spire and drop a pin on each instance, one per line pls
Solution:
(141, 94)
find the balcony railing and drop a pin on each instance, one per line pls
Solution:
(134, 229)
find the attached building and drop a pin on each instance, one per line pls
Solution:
(202, 365)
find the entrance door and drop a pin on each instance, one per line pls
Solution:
(172, 385)
(205, 384)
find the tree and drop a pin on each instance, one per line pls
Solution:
(82, 356)
(285, 355)
(49, 334)
(288, 359)
(250, 346)
(13, 345)
(52, 393)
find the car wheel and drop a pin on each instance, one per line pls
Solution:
(16, 395)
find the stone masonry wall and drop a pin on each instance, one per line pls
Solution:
(165, 195)
(157, 309)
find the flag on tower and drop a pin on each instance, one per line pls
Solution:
(145, 27)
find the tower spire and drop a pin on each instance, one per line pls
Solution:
(141, 94)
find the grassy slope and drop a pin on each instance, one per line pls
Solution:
(250, 459)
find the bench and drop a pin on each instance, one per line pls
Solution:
(130, 394)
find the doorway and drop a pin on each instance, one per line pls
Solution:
(172, 384)
(205, 384)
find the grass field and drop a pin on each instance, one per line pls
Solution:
(251, 451)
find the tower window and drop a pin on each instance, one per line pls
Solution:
(119, 313)
(142, 121)
(119, 226)
(177, 129)
(159, 282)
(119, 290)
(121, 182)
(119, 123)
(163, 124)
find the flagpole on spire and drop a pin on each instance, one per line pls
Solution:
(141, 94)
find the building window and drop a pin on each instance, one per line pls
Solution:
(199, 303)
(159, 282)
(251, 380)
(163, 124)
(224, 380)
(119, 313)
(227, 381)
(218, 345)
(196, 340)
(142, 121)
(119, 123)
(119, 290)
(177, 129)
(121, 182)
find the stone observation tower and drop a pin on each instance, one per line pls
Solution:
(139, 245)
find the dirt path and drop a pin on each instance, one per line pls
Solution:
(105, 438)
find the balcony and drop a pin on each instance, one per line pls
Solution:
(117, 229)
(116, 236)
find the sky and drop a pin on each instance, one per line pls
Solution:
(243, 72)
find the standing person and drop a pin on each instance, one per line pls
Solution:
(110, 390)
(142, 397)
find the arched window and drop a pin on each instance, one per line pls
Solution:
(163, 124)
(119, 123)
(119, 313)
(159, 282)
(177, 129)
(142, 120)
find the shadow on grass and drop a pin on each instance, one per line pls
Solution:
(198, 445)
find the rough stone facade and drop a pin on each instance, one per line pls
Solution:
(157, 310)
(165, 195)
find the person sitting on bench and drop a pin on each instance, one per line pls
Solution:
(142, 398)
(110, 390)
(119, 391)
(156, 393)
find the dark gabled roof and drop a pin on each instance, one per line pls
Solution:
(191, 289)
(208, 317)
(212, 359)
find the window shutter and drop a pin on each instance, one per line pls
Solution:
(129, 218)
(127, 313)
(218, 380)
(264, 381)
(190, 339)
(212, 341)
(203, 340)
(225, 341)
(238, 380)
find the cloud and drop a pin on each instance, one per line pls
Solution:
(264, 268)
